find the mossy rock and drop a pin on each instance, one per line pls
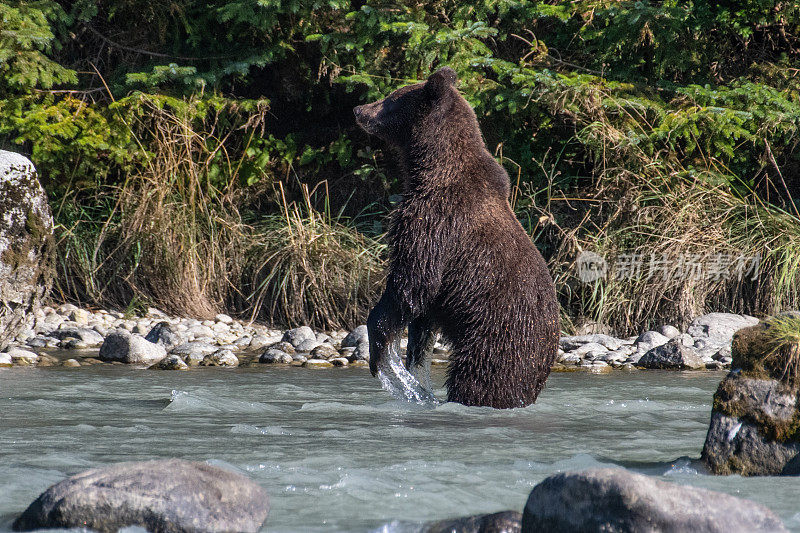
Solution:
(770, 349)
(26, 244)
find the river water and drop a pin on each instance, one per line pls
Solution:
(338, 453)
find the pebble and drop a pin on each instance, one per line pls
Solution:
(71, 363)
(220, 358)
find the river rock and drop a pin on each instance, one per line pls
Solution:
(20, 356)
(611, 499)
(324, 351)
(170, 496)
(26, 244)
(194, 351)
(751, 427)
(573, 342)
(715, 330)
(361, 353)
(88, 336)
(502, 522)
(358, 335)
(297, 336)
(649, 340)
(126, 347)
(220, 358)
(71, 363)
(673, 355)
(317, 363)
(171, 362)
(669, 331)
(275, 356)
(164, 334)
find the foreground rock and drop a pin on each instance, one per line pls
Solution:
(127, 347)
(26, 244)
(608, 499)
(502, 522)
(165, 496)
(754, 429)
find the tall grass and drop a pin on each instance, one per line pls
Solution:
(172, 236)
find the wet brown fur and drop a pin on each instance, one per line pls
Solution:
(461, 263)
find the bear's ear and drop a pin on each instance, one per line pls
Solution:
(440, 81)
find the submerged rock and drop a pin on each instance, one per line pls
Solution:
(166, 496)
(610, 499)
(127, 347)
(674, 355)
(502, 522)
(26, 245)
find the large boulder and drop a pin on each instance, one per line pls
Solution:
(714, 331)
(26, 244)
(167, 496)
(610, 499)
(754, 427)
(127, 347)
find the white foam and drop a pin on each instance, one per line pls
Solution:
(400, 383)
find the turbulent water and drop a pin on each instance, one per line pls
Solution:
(404, 385)
(337, 453)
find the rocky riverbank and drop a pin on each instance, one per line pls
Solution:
(71, 336)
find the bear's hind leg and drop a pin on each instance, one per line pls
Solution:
(385, 323)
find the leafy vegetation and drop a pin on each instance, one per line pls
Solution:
(178, 141)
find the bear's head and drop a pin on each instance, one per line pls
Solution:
(396, 117)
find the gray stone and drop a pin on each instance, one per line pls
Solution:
(358, 335)
(610, 499)
(5, 359)
(649, 340)
(169, 496)
(669, 331)
(686, 339)
(89, 336)
(735, 443)
(261, 341)
(20, 356)
(324, 351)
(502, 522)
(306, 346)
(223, 318)
(297, 335)
(194, 349)
(569, 344)
(275, 356)
(590, 347)
(164, 334)
(127, 347)
(171, 362)
(673, 355)
(220, 358)
(26, 245)
(71, 363)
(717, 329)
(317, 363)
(361, 352)
(339, 361)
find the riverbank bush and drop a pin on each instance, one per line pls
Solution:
(178, 142)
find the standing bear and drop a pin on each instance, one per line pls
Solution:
(461, 264)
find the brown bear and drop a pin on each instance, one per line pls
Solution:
(461, 264)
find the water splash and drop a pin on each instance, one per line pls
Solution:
(400, 383)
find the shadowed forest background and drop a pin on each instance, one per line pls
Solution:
(202, 156)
